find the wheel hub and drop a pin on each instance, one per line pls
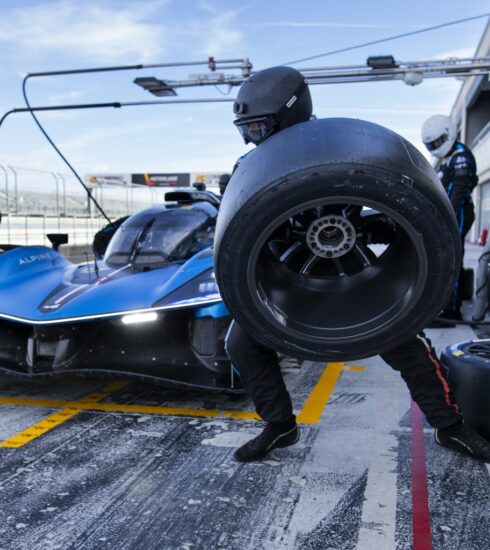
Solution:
(331, 236)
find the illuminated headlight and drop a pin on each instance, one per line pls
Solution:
(138, 318)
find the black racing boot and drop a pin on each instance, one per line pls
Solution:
(273, 436)
(459, 437)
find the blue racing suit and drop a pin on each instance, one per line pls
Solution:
(459, 178)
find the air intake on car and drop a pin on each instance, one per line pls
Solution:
(203, 338)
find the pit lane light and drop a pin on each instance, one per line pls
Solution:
(160, 88)
(381, 62)
(139, 318)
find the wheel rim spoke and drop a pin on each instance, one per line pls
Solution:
(340, 268)
(296, 247)
(310, 264)
(362, 255)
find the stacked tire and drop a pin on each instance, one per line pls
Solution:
(467, 367)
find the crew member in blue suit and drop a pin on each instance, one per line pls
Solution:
(458, 176)
(268, 102)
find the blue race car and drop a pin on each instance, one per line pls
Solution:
(149, 309)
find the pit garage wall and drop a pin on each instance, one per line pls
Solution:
(481, 150)
(471, 112)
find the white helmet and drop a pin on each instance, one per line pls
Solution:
(439, 134)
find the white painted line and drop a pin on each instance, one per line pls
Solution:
(378, 518)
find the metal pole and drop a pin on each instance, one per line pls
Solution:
(63, 181)
(242, 62)
(16, 190)
(57, 193)
(4, 170)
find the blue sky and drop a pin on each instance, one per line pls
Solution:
(59, 34)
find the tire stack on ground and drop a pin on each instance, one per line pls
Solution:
(467, 366)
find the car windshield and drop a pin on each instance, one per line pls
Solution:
(154, 239)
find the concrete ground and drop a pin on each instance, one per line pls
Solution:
(121, 465)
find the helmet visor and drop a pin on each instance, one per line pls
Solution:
(256, 130)
(433, 145)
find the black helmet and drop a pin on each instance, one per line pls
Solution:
(271, 100)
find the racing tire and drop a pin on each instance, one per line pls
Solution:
(480, 303)
(467, 368)
(292, 255)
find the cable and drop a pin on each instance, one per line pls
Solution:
(65, 160)
(388, 38)
(221, 92)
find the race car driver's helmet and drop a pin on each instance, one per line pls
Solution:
(271, 100)
(223, 182)
(439, 134)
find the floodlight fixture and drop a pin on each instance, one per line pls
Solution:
(155, 86)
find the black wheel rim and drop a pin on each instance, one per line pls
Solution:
(350, 294)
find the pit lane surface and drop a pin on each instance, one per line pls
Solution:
(132, 466)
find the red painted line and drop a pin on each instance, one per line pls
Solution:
(422, 539)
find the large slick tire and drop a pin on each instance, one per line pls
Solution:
(480, 304)
(294, 257)
(467, 366)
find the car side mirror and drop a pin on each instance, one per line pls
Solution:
(57, 239)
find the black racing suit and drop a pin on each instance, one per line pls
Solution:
(458, 176)
(416, 360)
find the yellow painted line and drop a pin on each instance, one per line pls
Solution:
(116, 407)
(355, 368)
(40, 428)
(318, 399)
(242, 415)
(57, 418)
(309, 414)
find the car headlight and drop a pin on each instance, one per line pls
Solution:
(139, 318)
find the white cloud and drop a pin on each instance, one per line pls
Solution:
(105, 32)
(217, 35)
(87, 30)
(462, 53)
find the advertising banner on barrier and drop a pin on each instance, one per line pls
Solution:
(108, 179)
(153, 179)
(162, 180)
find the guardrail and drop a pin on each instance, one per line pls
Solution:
(32, 230)
(34, 202)
(30, 191)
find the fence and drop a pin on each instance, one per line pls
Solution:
(31, 230)
(35, 202)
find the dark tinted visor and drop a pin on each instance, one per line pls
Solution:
(256, 130)
(432, 145)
